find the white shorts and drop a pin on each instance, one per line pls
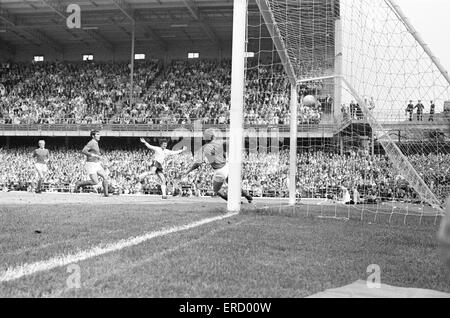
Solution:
(94, 168)
(41, 167)
(220, 175)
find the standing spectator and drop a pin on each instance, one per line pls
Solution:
(432, 111)
(344, 111)
(328, 104)
(352, 110)
(359, 112)
(371, 104)
(410, 110)
(420, 109)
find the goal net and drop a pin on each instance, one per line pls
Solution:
(375, 132)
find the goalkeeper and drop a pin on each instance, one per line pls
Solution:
(214, 152)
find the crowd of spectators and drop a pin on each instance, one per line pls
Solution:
(267, 97)
(320, 174)
(180, 92)
(81, 93)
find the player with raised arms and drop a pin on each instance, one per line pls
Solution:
(42, 156)
(160, 154)
(214, 152)
(93, 165)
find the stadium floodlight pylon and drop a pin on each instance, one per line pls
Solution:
(364, 49)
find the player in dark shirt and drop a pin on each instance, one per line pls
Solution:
(42, 157)
(93, 165)
(215, 154)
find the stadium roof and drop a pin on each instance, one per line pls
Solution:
(108, 23)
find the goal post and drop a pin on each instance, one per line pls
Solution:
(237, 105)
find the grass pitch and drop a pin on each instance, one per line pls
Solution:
(252, 254)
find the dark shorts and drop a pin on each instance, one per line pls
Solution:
(158, 166)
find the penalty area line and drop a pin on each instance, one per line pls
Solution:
(63, 260)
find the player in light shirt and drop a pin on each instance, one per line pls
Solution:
(160, 155)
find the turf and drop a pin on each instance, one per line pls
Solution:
(249, 255)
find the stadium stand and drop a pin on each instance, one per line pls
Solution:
(184, 91)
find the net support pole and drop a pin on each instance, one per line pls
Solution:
(237, 105)
(293, 146)
(132, 64)
(337, 100)
(398, 11)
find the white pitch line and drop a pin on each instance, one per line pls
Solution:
(64, 260)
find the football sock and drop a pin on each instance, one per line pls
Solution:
(223, 195)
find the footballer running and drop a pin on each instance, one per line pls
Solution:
(93, 166)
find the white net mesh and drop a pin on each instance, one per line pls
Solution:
(382, 60)
(307, 29)
(380, 93)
